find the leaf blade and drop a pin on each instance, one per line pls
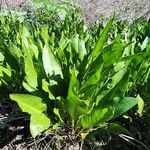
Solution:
(122, 105)
(102, 39)
(50, 63)
(27, 103)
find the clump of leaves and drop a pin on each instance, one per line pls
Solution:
(64, 76)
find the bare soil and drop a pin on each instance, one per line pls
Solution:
(16, 4)
(124, 9)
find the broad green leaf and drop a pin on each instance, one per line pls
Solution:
(34, 49)
(117, 77)
(28, 87)
(33, 105)
(44, 33)
(82, 68)
(1, 57)
(61, 49)
(119, 66)
(45, 87)
(73, 104)
(140, 105)
(50, 63)
(82, 49)
(25, 35)
(95, 64)
(113, 53)
(4, 70)
(31, 75)
(63, 42)
(102, 39)
(117, 87)
(123, 104)
(17, 51)
(93, 79)
(96, 117)
(72, 98)
(75, 43)
(145, 43)
(79, 46)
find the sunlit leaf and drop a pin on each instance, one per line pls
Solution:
(50, 63)
(45, 87)
(33, 105)
(144, 44)
(31, 75)
(140, 105)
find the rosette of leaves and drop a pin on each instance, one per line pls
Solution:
(64, 76)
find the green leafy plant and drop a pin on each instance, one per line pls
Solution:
(65, 74)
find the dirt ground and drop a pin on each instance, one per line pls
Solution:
(15, 4)
(124, 9)
(94, 9)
